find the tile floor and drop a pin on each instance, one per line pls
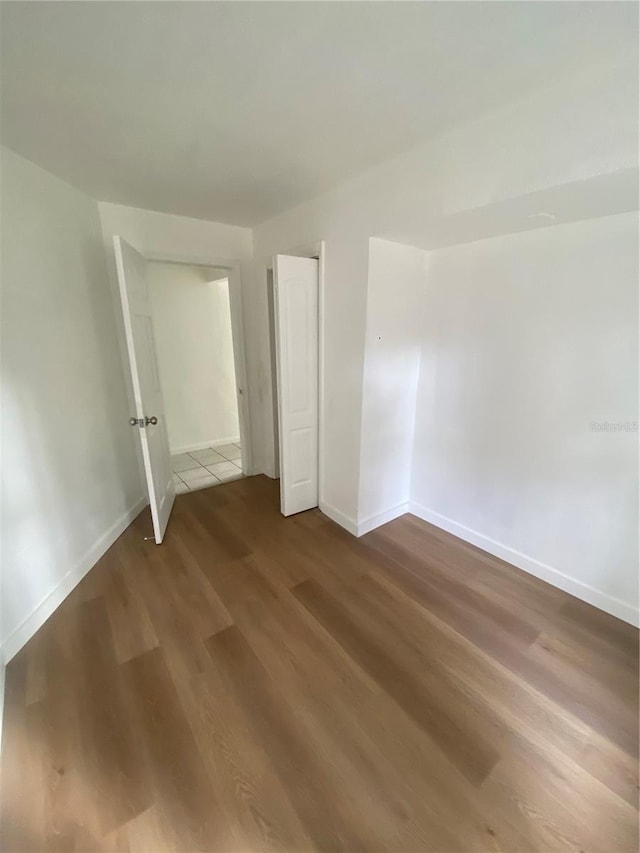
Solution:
(201, 469)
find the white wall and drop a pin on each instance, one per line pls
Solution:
(572, 149)
(69, 482)
(392, 357)
(191, 241)
(192, 326)
(527, 340)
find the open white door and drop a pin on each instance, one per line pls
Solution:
(296, 326)
(150, 419)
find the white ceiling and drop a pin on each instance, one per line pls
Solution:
(237, 111)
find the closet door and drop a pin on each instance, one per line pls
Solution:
(296, 326)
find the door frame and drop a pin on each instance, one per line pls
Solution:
(310, 250)
(233, 265)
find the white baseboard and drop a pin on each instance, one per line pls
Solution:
(583, 591)
(202, 445)
(12, 644)
(374, 521)
(339, 517)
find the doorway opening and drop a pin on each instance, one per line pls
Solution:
(149, 415)
(191, 315)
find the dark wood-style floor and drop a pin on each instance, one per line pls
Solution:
(262, 683)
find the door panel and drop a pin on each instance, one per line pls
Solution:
(143, 362)
(296, 325)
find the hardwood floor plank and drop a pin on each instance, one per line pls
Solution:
(473, 757)
(182, 788)
(267, 683)
(20, 828)
(182, 649)
(523, 711)
(331, 694)
(145, 832)
(571, 689)
(247, 785)
(225, 544)
(455, 595)
(112, 761)
(606, 627)
(319, 806)
(131, 630)
(71, 814)
(569, 811)
(176, 570)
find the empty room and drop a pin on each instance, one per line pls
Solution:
(319, 426)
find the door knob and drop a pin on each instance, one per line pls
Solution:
(152, 420)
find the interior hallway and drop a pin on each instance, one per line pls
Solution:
(267, 682)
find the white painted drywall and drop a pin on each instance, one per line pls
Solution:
(392, 357)
(192, 328)
(69, 482)
(193, 241)
(528, 341)
(571, 149)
